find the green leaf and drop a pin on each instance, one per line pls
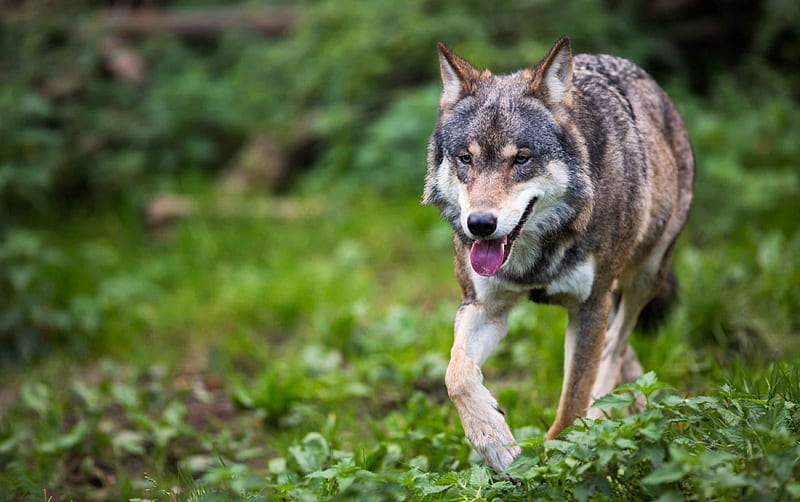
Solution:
(242, 397)
(478, 476)
(326, 474)
(558, 445)
(625, 443)
(312, 454)
(729, 479)
(437, 488)
(671, 401)
(670, 496)
(37, 396)
(614, 401)
(649, 383)
(277, 465)
(449, 478)
(66, 441)
(129, 441)
(709, 459)
(701, 402)
(8, 445)
(420, 462)
(126, 395)
(667, 473)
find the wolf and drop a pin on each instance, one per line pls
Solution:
(566, 183)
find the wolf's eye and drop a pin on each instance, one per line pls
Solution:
(465, 159)
(521, 158)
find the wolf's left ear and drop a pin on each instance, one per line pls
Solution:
(458, 76)
(553, 74)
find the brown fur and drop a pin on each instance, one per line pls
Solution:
(590, 212)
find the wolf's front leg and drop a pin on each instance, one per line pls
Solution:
(477, 332)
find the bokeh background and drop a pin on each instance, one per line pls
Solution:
(211, 241)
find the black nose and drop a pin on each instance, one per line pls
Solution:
(482, 224)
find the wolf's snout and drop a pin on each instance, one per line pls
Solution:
(482, 224)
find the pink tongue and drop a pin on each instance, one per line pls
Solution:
(487, 256)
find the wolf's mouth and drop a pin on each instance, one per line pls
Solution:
(488, 255)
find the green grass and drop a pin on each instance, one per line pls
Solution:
(295, 348)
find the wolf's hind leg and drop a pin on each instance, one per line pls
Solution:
(631, 367)
(476, 335)
(582, 348)
(618, 361)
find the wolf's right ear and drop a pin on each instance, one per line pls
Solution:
(458, 77)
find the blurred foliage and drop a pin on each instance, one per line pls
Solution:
(32, 309)
(357, 72)
(360, 80)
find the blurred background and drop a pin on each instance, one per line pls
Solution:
(208, 185)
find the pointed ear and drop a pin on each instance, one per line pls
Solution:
(458, 77)
(553, 74)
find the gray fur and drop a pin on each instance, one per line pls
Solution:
(606, 131)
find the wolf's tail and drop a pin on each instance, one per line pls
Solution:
(657, 311)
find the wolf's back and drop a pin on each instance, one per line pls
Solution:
(604, 78)
(661, 160)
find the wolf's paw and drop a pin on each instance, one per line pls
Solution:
(500, 457)
(491, 437)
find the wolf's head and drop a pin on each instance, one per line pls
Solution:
(501, 165)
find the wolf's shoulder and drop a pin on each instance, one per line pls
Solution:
(611, 68)
(609, 80)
